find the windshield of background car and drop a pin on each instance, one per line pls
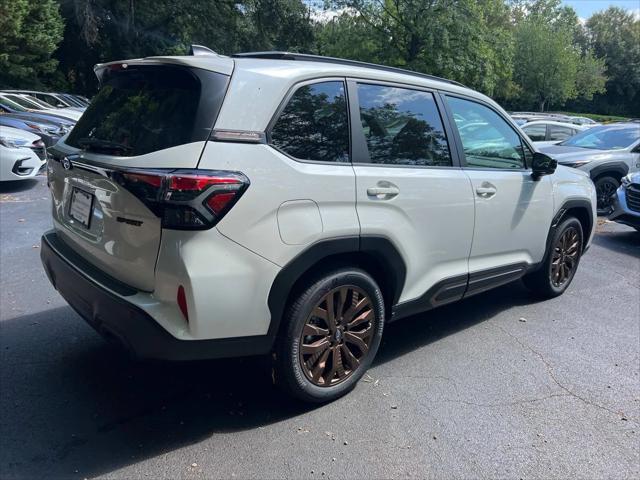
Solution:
(12, 105)
(142, 109)
(605, 138)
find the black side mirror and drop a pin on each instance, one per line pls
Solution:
(542, 165)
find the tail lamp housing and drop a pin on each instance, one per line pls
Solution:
(185, 199)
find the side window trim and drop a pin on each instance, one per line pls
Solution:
(463, 159)
(285, 101)
(359, 148)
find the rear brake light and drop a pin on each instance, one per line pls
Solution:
(185, 199)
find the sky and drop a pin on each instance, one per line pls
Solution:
(586, 8)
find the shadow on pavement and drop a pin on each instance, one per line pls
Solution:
(17, 186)
(92, 410)
(624, 240)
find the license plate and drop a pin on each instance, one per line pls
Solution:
(81, 205)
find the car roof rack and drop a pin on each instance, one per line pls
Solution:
(304, 57)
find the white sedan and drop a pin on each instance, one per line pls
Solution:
(22, 154)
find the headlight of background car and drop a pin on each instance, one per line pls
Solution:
(49, 129)
(576, 164)
(626, 181)
(9, 142)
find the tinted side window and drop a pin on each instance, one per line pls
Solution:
(537, 133)
(402, 126)
(557, 132)
(487, 139)
(314, 124)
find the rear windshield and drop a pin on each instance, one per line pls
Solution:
(142, 109)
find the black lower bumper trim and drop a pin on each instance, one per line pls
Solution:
(116, 318)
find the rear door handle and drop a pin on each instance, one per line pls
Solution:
(383, 192)
(486, 191)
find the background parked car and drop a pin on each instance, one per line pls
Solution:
(36, 105)
(606, 152)
(22, 154)
(626, 202)
(549, 132)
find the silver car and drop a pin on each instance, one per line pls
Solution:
(607, 153)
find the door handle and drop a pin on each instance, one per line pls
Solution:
(486, 191)
(383, 192)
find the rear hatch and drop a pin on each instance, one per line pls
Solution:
(149, 120)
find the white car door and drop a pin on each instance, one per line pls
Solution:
(513, 210)
(409, 189)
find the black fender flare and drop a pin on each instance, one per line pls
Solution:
(617, 169)
(564, 208)
(378, 247)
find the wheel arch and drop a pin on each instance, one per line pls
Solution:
(376, 255)
(580, 209)
(616, 170)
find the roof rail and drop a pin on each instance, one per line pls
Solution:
(304, 57)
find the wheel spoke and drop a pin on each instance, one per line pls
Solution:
(355, 309)
(336, 364)
(351, 337)
(320, 367)
(314, 330)
(342, 300)
(349, 357)
(316, 347)
(320, 313)
(331, 312)
(363, 317)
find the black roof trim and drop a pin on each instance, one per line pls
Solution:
(303, 57)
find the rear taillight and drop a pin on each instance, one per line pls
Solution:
(185, 199)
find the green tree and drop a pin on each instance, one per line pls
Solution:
(29, 34)
(615, 35)
(106, 30)
(550, 67)
(464, 40)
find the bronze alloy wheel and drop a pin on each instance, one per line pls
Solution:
(565, 257)
(337, 336)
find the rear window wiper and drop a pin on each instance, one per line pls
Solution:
(100, 144)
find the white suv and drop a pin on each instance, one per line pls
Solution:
(208, 206)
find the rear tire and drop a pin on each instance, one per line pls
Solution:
(331, 333)
(605, 187)
(560, 262)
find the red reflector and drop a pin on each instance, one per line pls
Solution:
(153, 180)
(218, 202)
(182, 302)
(198, 183)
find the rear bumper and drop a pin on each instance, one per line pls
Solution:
(102, 302)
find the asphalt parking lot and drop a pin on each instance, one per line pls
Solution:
(499, 385)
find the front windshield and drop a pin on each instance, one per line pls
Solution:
(605, 138)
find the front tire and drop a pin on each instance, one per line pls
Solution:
(560, 263)
(605, 188)
(331, 333)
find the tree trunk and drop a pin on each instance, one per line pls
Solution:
(542, 104)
